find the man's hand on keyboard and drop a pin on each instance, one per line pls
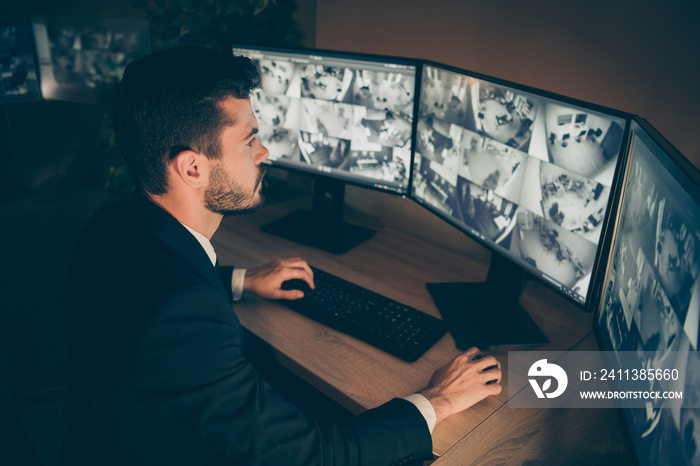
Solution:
(266, 281)
(460, 384)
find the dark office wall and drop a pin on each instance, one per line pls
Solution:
(640, 56)
(106, 8)
(305, 14)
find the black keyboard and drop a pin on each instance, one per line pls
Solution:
(393, 327)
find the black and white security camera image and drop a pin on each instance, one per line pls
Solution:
(276, 75)
(382, 163)
(434, 185)
(318, 149)
(486, 213)
(676, 255)
(560, 254)
(326, 82)
(275, 110)
(18, 76)
(433, 139)
(581, 141)
(489, 163)
(503, 114)
(366, 160)
(278, 119)
(651, 302)
(80, 56)
(382, 90)
(342, 117)
(386, 128)
(328, 118)
(572, 201)
(444, 96)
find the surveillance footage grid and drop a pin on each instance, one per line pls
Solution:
(349, 118)
(651, 304)
(530, 174)
(18, 77)
(79, 56)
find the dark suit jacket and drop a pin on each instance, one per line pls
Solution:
(156, 372)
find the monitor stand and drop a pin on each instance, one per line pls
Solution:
(322, 227)
(488, 314)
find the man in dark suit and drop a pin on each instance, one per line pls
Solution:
(156, 372)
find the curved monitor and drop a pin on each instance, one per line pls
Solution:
(342, 116)
(649, 299)
(527, 174)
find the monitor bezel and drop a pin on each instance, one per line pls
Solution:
(678, 166)
(494, 249)
(403, 61)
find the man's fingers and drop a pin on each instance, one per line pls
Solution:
(296, 273)
(490, 375)
(297, 262)
(493, 388)
(296, 268)
(486, 362)
(290, 294)
(473, 353)
(465, 381)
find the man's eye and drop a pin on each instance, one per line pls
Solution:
(250, 143)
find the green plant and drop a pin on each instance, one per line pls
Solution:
(219, 24)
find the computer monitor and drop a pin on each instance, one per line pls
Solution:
(81, 56)
(648, 298)
(526, 173)
(343, 118)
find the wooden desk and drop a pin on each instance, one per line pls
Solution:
(354, 374)
(544, 436)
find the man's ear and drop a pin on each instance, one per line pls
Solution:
(190, 168)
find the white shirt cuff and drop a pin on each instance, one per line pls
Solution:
(237, 280)
(425, 408)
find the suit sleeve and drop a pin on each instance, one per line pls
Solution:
(189, 364)
(226, 274)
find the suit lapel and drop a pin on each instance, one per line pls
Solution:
(179, 241)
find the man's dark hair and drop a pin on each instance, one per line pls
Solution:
(167, 102)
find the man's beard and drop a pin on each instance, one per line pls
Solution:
(225, 197)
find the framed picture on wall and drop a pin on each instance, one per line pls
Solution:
(82, 57)
(19, 81)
